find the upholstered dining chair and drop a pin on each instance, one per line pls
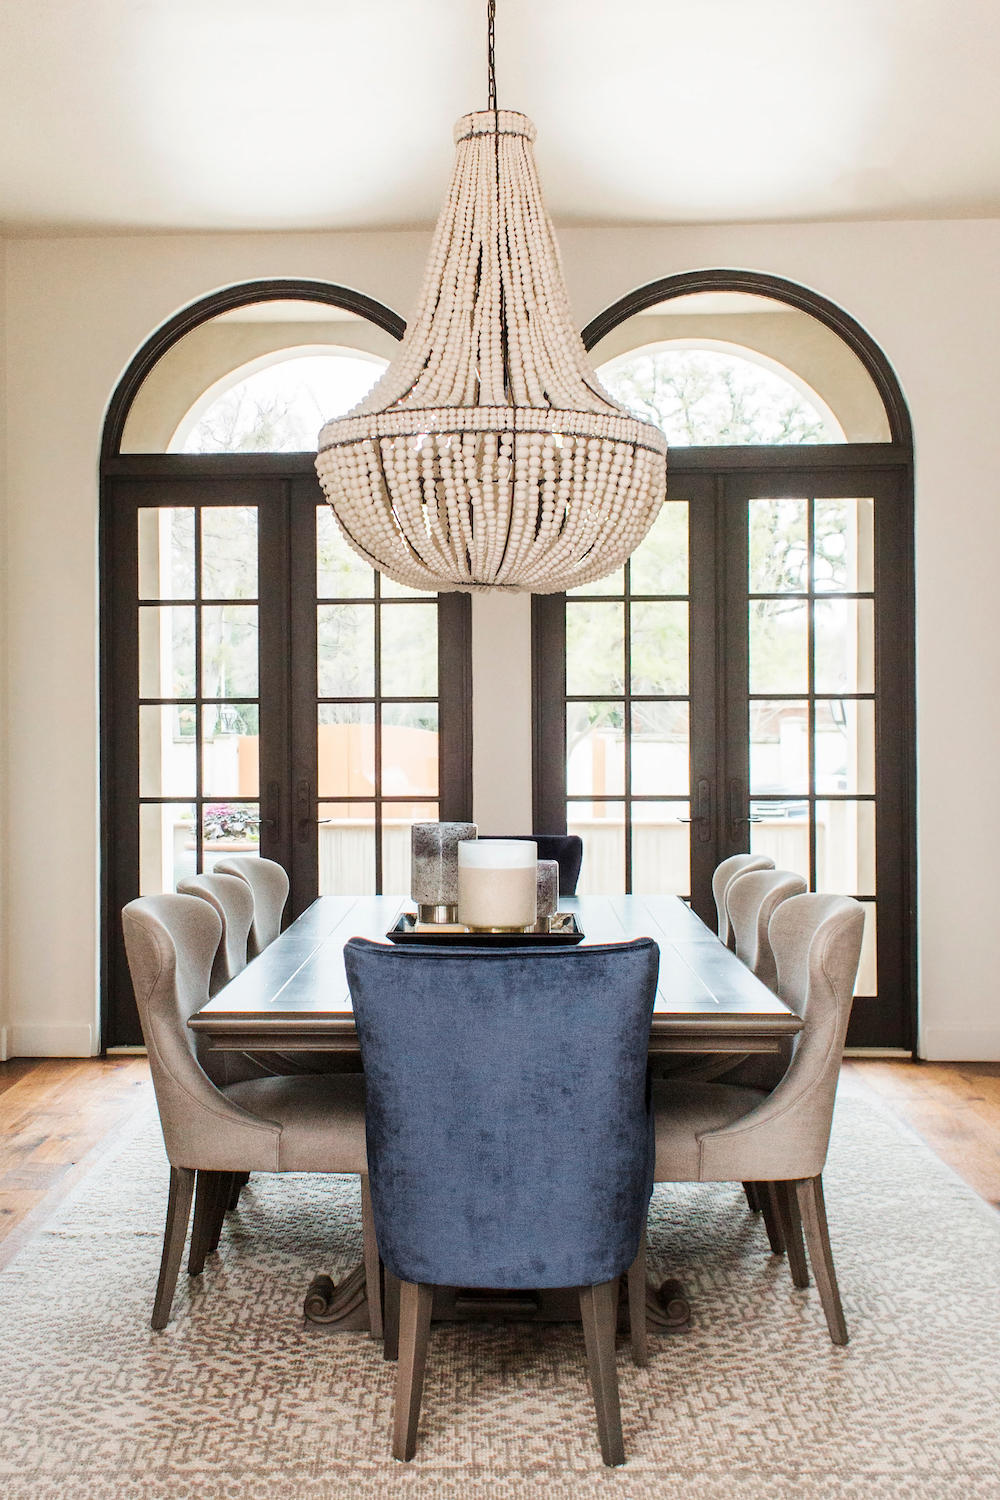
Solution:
(752, 898)
(269, 883)
(728, 870)
(509, 1136)
(215, 1133)
(721, 1132)
(232, 898)
(565, 848)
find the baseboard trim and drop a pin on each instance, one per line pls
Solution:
(50, 1041)
(898, 1052)
(951, 1044)
(3, 1044)
(125, 1052)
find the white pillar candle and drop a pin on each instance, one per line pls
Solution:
(497, 884)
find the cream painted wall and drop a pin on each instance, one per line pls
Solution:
(78, 309)
(4, 988)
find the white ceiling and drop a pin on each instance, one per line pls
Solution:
(123, 115)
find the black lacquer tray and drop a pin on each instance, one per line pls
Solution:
(563, 932)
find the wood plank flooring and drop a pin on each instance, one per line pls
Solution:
(57, 1114)
(954, 1107)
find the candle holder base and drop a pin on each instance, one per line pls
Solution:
(437, 914)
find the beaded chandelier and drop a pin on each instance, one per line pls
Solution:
(488, 455)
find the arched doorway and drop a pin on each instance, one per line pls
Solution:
(747, 680)
(262, 690)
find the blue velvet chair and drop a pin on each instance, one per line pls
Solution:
(565, 848)
(509, 1136)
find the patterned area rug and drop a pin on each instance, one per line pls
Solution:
(239, 1399)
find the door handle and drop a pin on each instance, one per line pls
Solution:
(305, 815)
(737, 814)
(703, 817)
(272, 805)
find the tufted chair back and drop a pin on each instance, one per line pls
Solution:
(269, 883)
(232, 899)
(817, 945)
(752, 898)
(171, 943)
(736, 864)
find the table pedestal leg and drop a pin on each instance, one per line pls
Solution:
(341, 1305)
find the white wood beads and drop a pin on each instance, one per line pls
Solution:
(488, 455)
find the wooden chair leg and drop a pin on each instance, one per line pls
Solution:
(240, 1180)
(223, 1193)
(599, 1314)
(205, 1195)
(390, 1310)
(753, 1197)
(174, 1234)
(373, 1265)
(771, 1221)
(787, 1205)
(638, 1332)
(812, 1207)
(415, 1303)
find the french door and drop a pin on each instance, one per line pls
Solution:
(263, 692)
(746, 682)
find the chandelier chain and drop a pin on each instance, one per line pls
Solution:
(491, 18)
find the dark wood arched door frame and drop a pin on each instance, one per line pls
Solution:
(891, 465)
(283, 486)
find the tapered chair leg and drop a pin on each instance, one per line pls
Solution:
(787, 1205)
(771, 1222)
(205, 1199)
(812, 1207)
(753, 1197)
(223, 1193)
(415, 1302)
(390, 1314)
(373, 1266)
(638, 1333)
(174, 1234)
(240, 1180)
(599, 1315)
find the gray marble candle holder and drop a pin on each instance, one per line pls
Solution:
(547, 898)
(434, 868)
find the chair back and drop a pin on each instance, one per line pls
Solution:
(727, 871)
(508, 1116)
(565, 848)
(817, 946)
(752, 898)
(170, 943)
(269, 883)
(232, 899)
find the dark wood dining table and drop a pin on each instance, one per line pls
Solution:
(294, 998)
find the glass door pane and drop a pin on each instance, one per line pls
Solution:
(376, 718)
(628, 716)
(199, 689)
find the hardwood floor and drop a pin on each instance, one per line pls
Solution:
(57, 1115)
(954, 1107)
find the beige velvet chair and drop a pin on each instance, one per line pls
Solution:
(725, 872)
(752, 898)
(301, 1124)
(720, 1132)
(233, 900)
(269, 883)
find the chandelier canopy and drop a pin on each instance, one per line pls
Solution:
(488, 455)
